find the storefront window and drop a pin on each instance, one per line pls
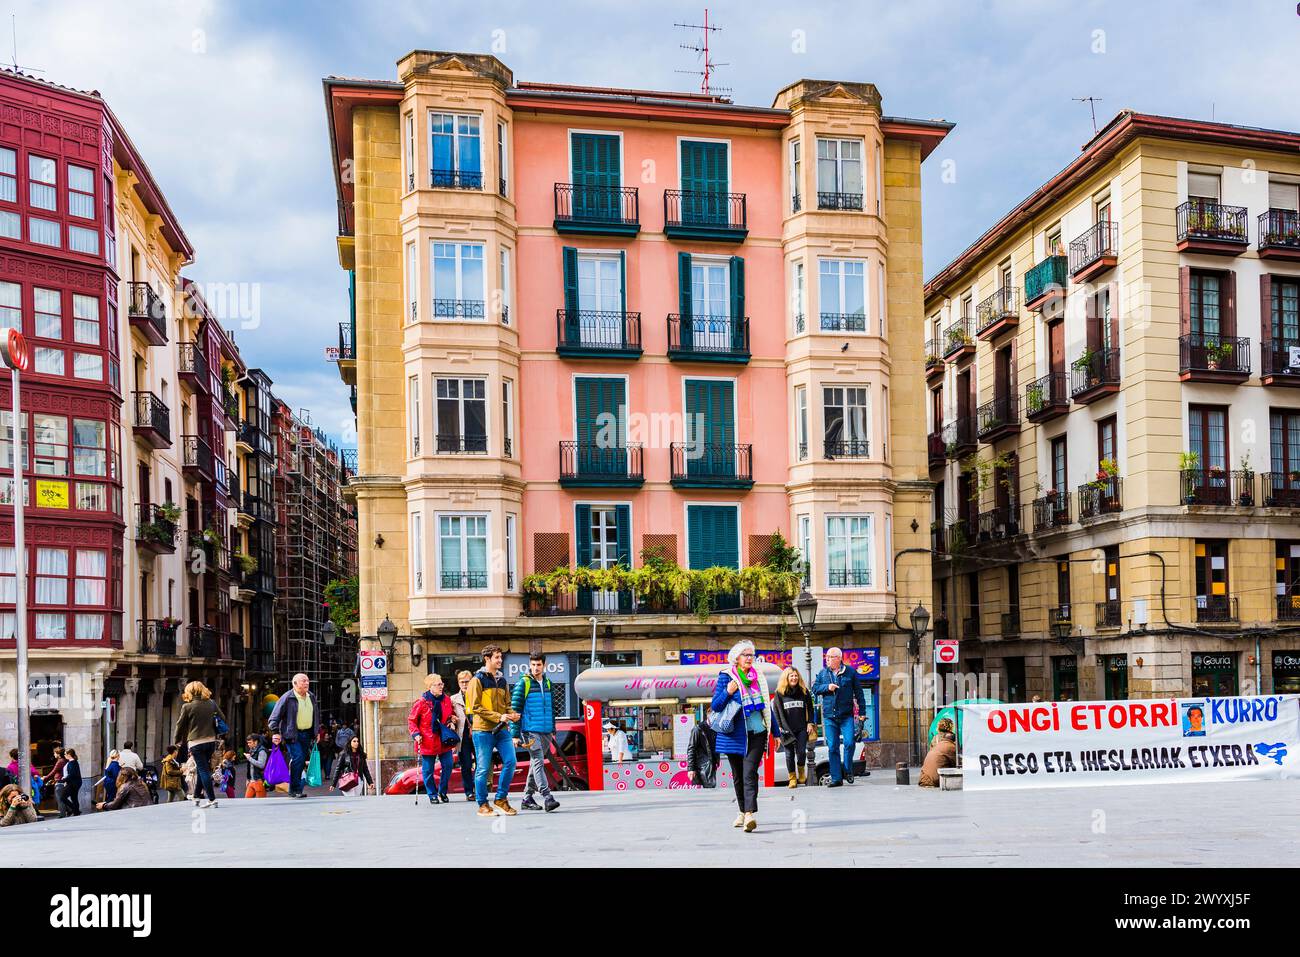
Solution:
(1065, 678)
(1286, 672)
(1214, 674)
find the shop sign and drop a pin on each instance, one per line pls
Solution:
(865, 661)
(1214, 662)
(1286, 661)
(51, 494)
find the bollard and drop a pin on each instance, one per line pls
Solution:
(901, 773)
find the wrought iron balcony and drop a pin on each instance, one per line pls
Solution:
(799, 324)
(936, 450)
(1281, 489)
(1094, 375)
(234, 647)
(588, 334)
(997, 314)
(346, 351)
(705, 215)
(846, 449)
(1216, 486)
(845, 201)
(197, 459)
(459, 309)
(796, 203)
(463, 581)
(960, 436)
(585, 601)
(1280, 362)
(998, 418)
(1047, 397)
(1220, 609)
(591, 465)
(1010, 624)
(708, 338)
(599, 210)
(848, 578)
(1206, 227)
(1060, 615)
(957, 339)
(156, 637)
(1288, 607)
(204, 641)
(933, 358)
(455, 179)
(1102, 497)
(1000, 523)
(453, 444)
(1108, 614)
(712, 466)
(1095, 251)
(1051, 511)
(843, 322)
(961, 535)
(193, 366)
(152, 421)
(1207, 358)
(147, 313)
(970, 626)
(155, 533)
(1047, 281)
(1279, 234)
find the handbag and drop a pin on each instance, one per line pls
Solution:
(348, 780)
(725, 720)
(313, 768)
(223, 729)
(449, 737)
(277, 769)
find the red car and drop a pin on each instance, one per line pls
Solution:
(568, 773)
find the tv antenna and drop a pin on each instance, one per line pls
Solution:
(1092, 102)
(13, 20)
(701, 49)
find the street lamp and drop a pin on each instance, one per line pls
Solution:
(805, 613)
(1061, 629)
(920, 625)
(328, 634)
(386, 633)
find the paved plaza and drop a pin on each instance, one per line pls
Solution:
(870, 823)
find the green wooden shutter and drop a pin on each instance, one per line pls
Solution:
(713, 540)
(572, 329)
(582, 536)
(726, 550)
(711, 428)
(684, 300)
(623, 524)
(737, 304)
(698, 552)
(597, 396)
(595, 172)
(704, 181)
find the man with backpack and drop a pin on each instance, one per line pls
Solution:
(533, 698)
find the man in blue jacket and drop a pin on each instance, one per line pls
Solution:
(533, 697)
(296, 718)
(837, 685)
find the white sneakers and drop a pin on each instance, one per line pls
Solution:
(751, 822)
(739, 821)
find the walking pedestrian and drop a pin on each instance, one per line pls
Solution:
(131, 792)
(326, 748)
(170, 777)
(342, 734)
(838, 687)
(255, 755)
(226, 774)
(432, 712)
(297, 719)
(111, 771)
(487, 700)
(129, 759)
(54, 778)
(792, 706)
(465, 753)
(702, 755)
(16, 807)
(197, 727)
(71, 806)
(352, 769)
(742, 691)
(534, 699)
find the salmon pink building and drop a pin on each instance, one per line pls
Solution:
(603, 328)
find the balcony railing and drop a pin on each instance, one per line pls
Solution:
(1102, 497)
(705, 214)
(585, 601)
(1288, 607)
(446, 444)
(147, 313)
(1047, 397)
(998, 418)
(933, 356)
(154, 531)
(463, 581)
(585, 463)
(936, 450)
(957, 338)
(1049, 278)
(197, 456)
(152, 420)
(960, 436)
(970, 626)
(205, 641)
(346, 351)
(1279, 234)
(1094, 374)
(586, 333)
(1216, 608)
(999, 311)
(1213, 357)
(1280, 361)
(459, 309)
(156, 637)
(843, 322)
(234, 650)
(611, 210)
(1051, 511)
(708, 338)
(193, 366)
(849, 201)
(1281, 489)
(455, 179)
(846, 448)
(960, 535)
(1060, 615)
(1200, 221)
(1095, 249)
(1010, 623)
(848, 578)
(1108, 614)
(1000, 523)
(712, 466)
(1217, 486)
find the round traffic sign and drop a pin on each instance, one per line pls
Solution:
(945, 653)
(16, 354)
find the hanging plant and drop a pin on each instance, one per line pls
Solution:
(343, 602)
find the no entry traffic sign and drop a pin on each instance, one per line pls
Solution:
(945, 651)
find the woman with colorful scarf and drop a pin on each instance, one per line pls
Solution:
(744, 745)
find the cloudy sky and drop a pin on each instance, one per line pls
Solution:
(224, 100)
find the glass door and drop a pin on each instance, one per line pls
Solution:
(600, 301)
(711, 305)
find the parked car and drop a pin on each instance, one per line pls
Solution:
(821, 763)
(570, 739)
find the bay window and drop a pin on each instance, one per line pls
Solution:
(462, 552)
(42, 181)
(848, 551)
(462, 415)
(457, 280)
(455, 151)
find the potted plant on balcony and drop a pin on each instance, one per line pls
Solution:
(170, 512)
(1218, 354)
(1086, 365)
(1188, 462)
(1246, 492)
(931, 360)
(247, 563)
(167, 626)
(1034, 396)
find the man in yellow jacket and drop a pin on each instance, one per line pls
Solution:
(487, 702)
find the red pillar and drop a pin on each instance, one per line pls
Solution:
(769, 760)
(591, 712)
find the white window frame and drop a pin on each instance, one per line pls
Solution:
(801, 431)
(503, 158)
(880, 179)
(842, 276)
(417, 554)
(413, 281)
(799, 295)
(889, 550)
(409, 153)
(503, 278)
(508, 418)
(866, 414)
(839, 159)
(709, 262)
(464, 550)
(869, 517)
(455, 142)
(512, 545)
(803, 524)
(460, 279)
(796, 164)
(884, 422)
(880, 299)
(598, 256)
(413, 413)
(460, 407)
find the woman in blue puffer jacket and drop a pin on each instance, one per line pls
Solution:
(744, 745)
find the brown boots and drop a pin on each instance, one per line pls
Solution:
(803, 774)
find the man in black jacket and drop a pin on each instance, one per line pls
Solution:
(296, 718)
(702, 756)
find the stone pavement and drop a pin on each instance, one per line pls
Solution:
(872, 822)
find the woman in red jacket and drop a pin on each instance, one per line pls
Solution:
(432, 712)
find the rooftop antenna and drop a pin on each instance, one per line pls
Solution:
(701, 49)
(13, 20)
(1092, 102)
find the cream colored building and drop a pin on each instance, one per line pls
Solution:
(1113, 424)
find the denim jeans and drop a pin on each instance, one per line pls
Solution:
(484, 743)
(428, 762)
(539, 746)
(466, 758)
(299, 754)
(839, 734)
(202, 754)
